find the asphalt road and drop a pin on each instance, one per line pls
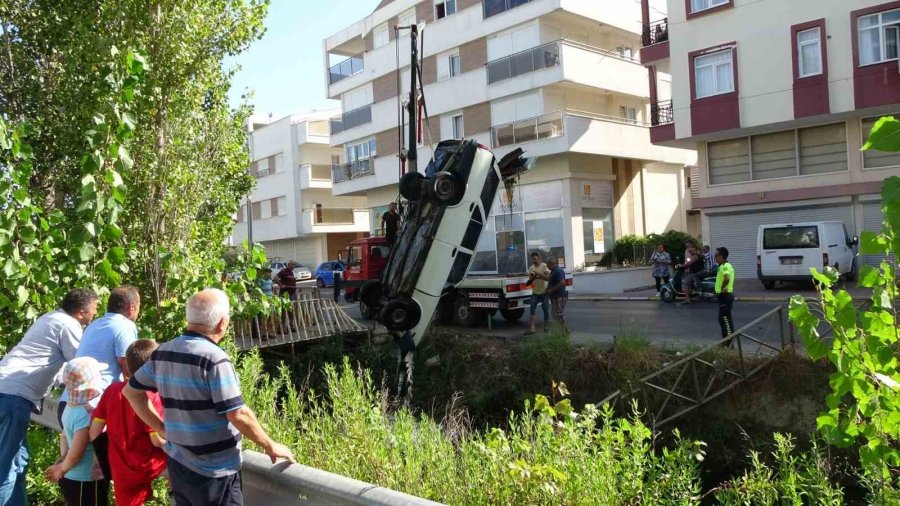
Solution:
(664, 324)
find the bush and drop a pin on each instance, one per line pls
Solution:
(635, 250)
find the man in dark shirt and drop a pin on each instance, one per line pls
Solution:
(556, 287)
(390, 223)
(287, 284)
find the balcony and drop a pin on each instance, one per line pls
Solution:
(662, 113)
(349, 67)
(524, 62)
(656, 32)
(494, 7)
(353, 170)
(545, 126)
(351, 119)
(314, 176)
(330, 219)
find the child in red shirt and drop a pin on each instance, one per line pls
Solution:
(134, 450)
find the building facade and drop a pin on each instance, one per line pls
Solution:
(292, 211)
(559, 78)
(777, 97)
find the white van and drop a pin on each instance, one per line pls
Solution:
(787, 252)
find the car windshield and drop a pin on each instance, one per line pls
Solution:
(791, 237)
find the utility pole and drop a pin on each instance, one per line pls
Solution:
(413, 106)
(249, 222)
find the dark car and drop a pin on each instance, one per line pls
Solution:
(325, 272)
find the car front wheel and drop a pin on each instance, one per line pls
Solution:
(400, 314)
(411, 185)
(320, 283)
(448, 189)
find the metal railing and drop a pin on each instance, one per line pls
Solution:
(351, 119)
(353, 170)
(523, 62)
(661, 113)
(309, 318)
(656, 32)
(349, 67)
(700, 377)
(547, 126)
(331, 216)
(494, 7)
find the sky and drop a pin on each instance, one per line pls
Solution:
(285, 69)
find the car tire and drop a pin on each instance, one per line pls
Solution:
(320, 283)
(369, 297)
(367, 311)
(400, 315)
(411, 185)
(667, 295)
(463, 314)
(768, 285)
(447, 188)
(512, 315)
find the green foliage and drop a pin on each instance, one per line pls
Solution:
(43, 450)
(864, 406)
(635, 250)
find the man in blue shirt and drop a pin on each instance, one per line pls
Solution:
(107, 338)
(556, 287)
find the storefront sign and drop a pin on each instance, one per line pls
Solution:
(599, 244)
(596, 193)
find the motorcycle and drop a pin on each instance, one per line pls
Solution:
(705, 289)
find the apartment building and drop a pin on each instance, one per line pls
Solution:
(560, 78)
(292, 212)
(777, 97)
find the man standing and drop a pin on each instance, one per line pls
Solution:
(26, 374)
(287, 284)
(538, 275)
(204, 412)
(390, 223)
(725, 291)
(557, 290)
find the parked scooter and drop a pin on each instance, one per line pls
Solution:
(705, 289)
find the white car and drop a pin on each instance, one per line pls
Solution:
(447, 209)
(787, 252)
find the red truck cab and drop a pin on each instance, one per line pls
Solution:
(366, 258)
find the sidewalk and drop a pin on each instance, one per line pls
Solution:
(745, 290)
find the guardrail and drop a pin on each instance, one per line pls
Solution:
(351, 119)
(286, 484)
(349, 67)
(353, 170)
(547, 126)
(662, 113)
(655, 32)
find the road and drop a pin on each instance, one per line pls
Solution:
(664, 324)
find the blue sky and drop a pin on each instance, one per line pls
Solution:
(285, 69)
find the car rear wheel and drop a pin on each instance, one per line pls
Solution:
(400, 314)
(768, 285)
(465, 315)
(512, 315)
(411, 185)
(448, 189)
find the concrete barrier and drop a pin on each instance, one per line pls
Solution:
(611, 281)
(286, 484)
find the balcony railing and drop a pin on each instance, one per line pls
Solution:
(332, 216)
(349, 67)
(353, 170)
(547, 126)
(494, 7)
(662, 113)
(351, 119)
(530, 60)
(656, 32)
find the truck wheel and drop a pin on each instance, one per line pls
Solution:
(369, 296)
(448, 189)
(411, 185)
(368, 313)
(512, 315)
(463, 314)
(400, 314)
(667, 294)
(768, 285)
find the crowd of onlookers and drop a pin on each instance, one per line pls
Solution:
(132, 410)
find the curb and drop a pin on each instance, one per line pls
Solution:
(751, 298)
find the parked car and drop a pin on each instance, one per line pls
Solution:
(301, 272)
(325, 272)
(787, 252)
(448, 206)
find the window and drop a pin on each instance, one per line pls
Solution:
(241, 213)
(713, 74)
(773, 155)
(702, 5)
(628, 113)
(544, 233)
(729, 161)
(457, 125)
(408, 18)
(455, 67)
(598, 234)
(878, 34)
(625, 52)
(380, 36)
(809, 52)
(375, 215)
(281, 206)
(361, 151)
(823, 149)
(265, 209)
(874, 159)
(791, 237)
(444, 8)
